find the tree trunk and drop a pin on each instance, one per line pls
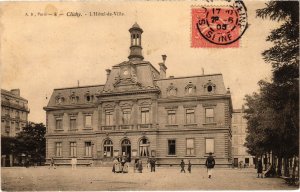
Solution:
(279, 166)
(286, 167)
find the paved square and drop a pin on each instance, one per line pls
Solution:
(102, 178)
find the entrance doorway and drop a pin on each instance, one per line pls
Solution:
(126, 149)
(235, 162)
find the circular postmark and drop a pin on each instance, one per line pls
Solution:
(223, 25)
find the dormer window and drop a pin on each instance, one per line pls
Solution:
(59, 99)
(74, 98)
(209, 87)
(171, 90)
(88, 97)
(190, 88)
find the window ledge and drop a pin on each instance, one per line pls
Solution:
(87, 157)
(58, 130)
(172, 125)
(190, 155)
(190, 125)
(87, 128)
(171, 155)
(213, 123)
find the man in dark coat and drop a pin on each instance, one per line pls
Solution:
(210, 164)
(259, 168)
(152, 164)
(182, 165)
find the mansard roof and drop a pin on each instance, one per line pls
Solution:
(200, 83)
(79, 92)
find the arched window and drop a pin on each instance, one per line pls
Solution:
(108, 148)
(126, 148)
(144, 147)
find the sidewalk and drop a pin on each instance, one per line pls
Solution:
(102, 178)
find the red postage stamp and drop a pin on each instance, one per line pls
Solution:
(218, 27)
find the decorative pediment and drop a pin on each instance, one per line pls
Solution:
(110, 105)
(209, 87)
(126, 104)
(145, 102)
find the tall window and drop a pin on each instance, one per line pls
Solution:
(190, 147)
(73, 150)
(88, 148)
(171, 117)
(209, 145)
(58, 123)
(126, 116)
(108, 148)
(108, 118)
(171, 147)
(88, 121)
(58, 149)
(144, 147)
(209, 115)
(17, 126)
(145, 115)
(72, 123)
(190, 116)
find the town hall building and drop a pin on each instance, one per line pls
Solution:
(139, 112)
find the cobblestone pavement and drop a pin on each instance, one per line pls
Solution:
(102, 178)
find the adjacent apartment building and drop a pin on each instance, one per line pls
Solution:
(139, 112)
(239, 133)
(14, 112)
(14, 116)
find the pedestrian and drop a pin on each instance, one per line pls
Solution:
(74, 163)
(52, 164)
(140, 166)
(152, 164)
(190, 167)
(259, 168)
(148, 163)
(126, 167)
(182, 165)
(115, 162)
(122, 164)
(210, 164)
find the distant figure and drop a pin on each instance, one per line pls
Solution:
(182, 165)
(259, 168)
(210, 164)
(52, 164)
(152, 164)
(74, 163)
(123, 163)
(140, 166)
(115, 163)
(126, 167)
(148, 163)
(190, 167)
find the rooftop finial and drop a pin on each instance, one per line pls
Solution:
(164, 57)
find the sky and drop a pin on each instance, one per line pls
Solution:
(41, 53)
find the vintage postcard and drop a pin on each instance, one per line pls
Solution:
(149, 95)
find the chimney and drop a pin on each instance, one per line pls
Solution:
(163, 67)
(202, 70)
(15, 92)
(107, 73)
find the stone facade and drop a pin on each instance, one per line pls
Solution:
(139, 113)
(239, 133)
(14, 112)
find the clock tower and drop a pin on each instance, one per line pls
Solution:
(136, 43)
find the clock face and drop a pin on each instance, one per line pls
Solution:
(125, 72)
